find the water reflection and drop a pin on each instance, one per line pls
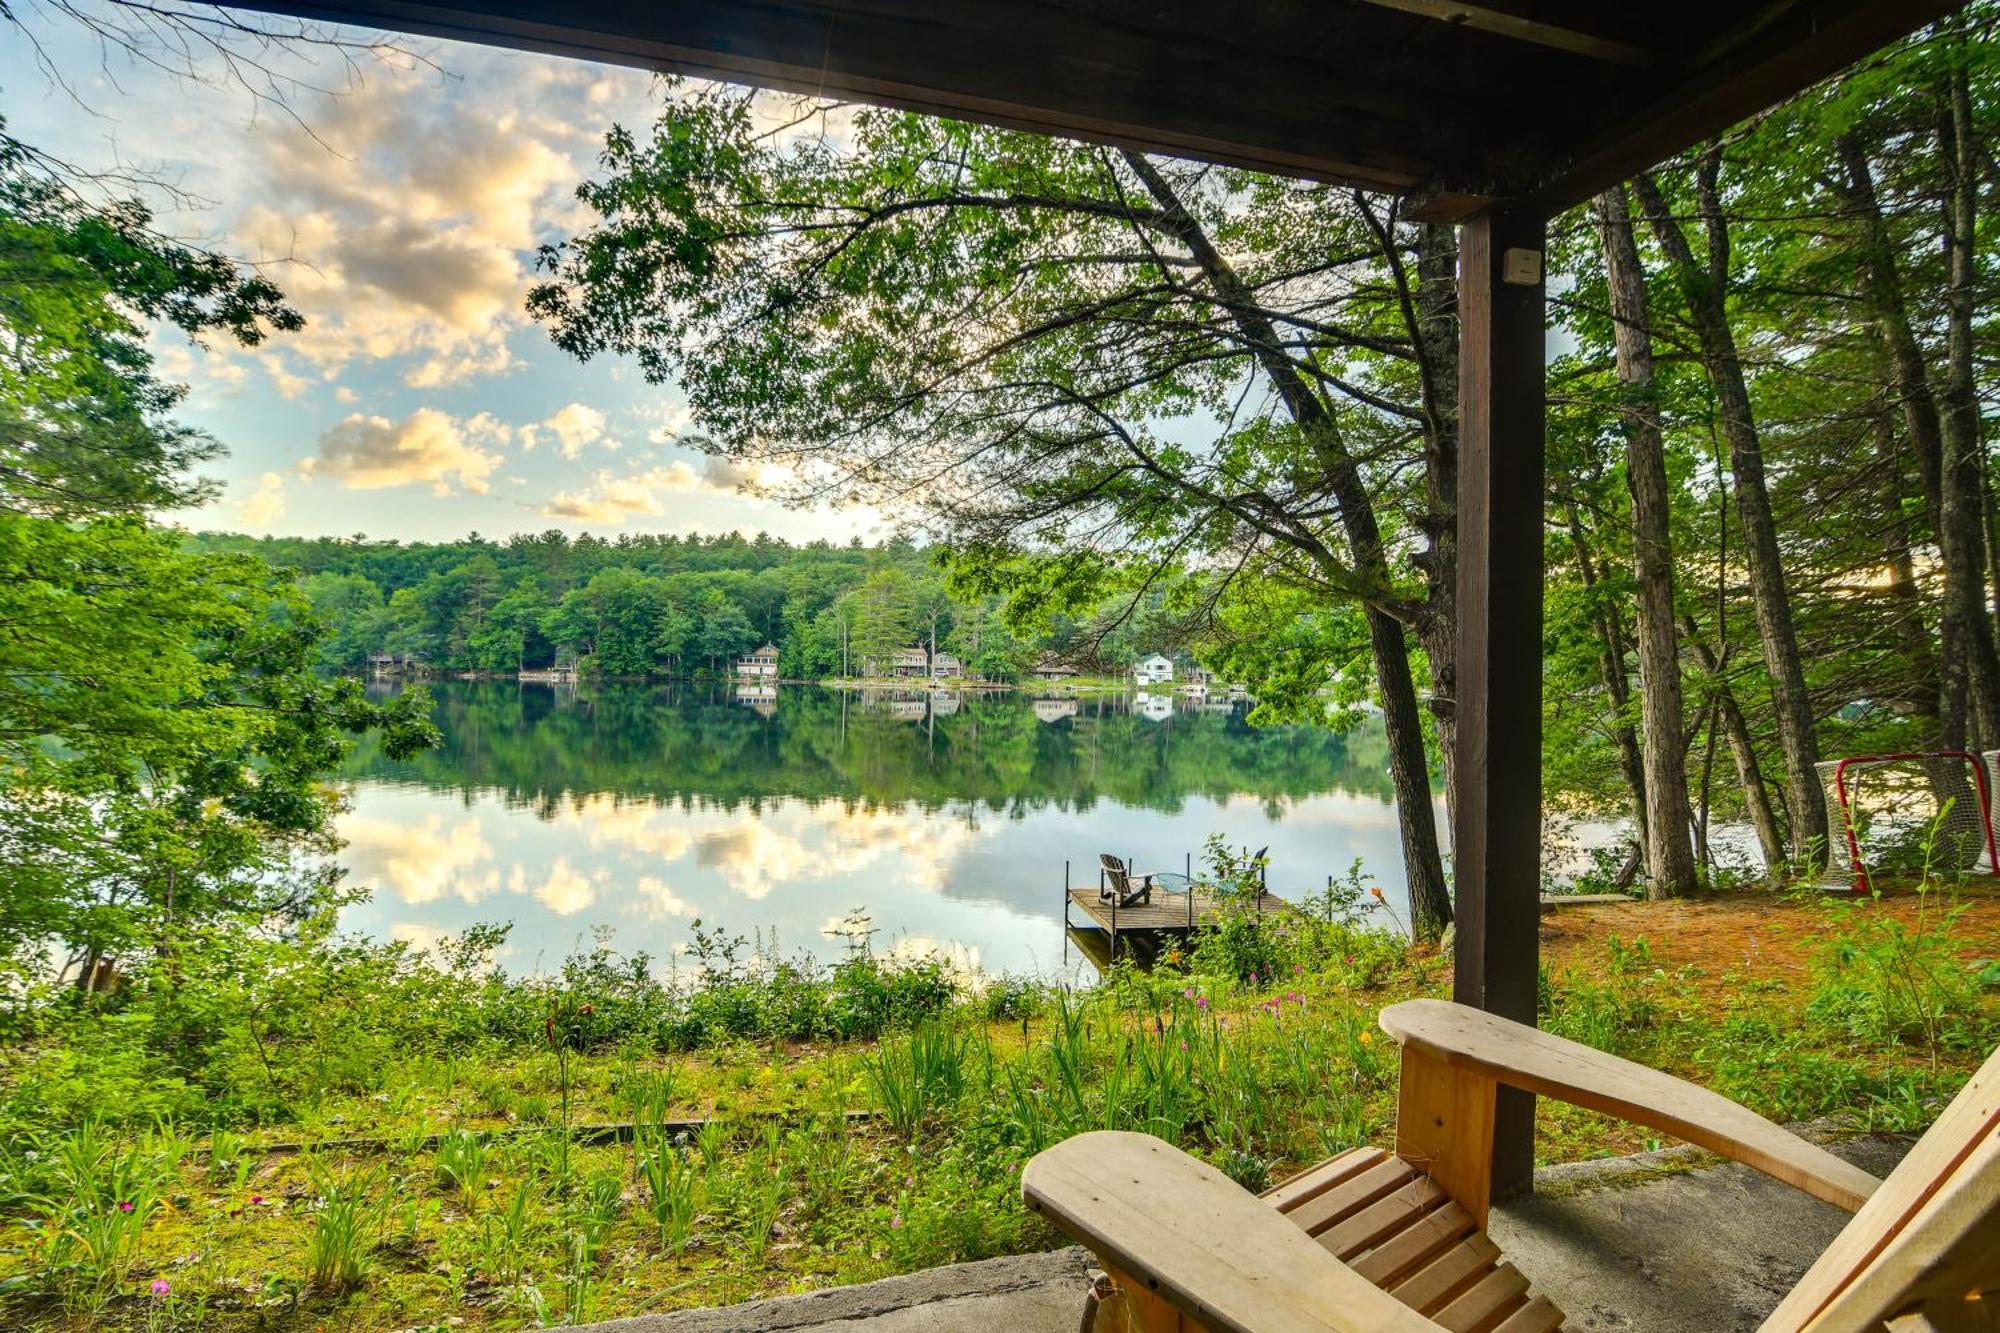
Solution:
(947, 814)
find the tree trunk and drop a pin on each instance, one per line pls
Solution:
(1882, 290)
(1704, 286)
(1435, 338)
(1969, 687)
(1670, 863)
(1906, 603)
(1749, 774)
(1611, 671)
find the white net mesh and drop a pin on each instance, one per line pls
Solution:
(1898, 814)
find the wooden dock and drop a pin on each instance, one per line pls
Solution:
(1142, 927)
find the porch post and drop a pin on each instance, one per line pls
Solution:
(1496, 805)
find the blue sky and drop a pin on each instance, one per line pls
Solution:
(398, 204)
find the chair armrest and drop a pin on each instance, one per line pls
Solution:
(1550, 1066)
(1201, 1242)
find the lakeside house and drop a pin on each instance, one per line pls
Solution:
(760, 697)
(1196, 682)
(384, 666)
(759, 665)
(1156, 669)
(1153, 707)
(946, 667)
(907, 663)
(1053, 672)
(1053, 710)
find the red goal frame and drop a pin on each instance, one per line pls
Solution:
(1976, 762)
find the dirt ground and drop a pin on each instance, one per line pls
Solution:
(1732, 938)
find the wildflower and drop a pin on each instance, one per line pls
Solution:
(1367, 1037)
(1201, 1002)
(1376, 893)
(1188, 994)
(124, 1205)
(161, 1286)
(256, 1201)
(1183, 1046)
(895, 1221)
(587, 1011)
(1253, 978)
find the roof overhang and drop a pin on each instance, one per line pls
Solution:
(1457, 104)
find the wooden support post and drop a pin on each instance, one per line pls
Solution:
(1496, 800)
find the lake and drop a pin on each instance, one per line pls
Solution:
(627, 812)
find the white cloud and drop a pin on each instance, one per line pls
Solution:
(614, 499)
(412, 208)
(661, 901)
(367, 453)
(420, 862)
(265, 505)
(666, 420)
(574, 426)
(343, 394)
(610, 498)
(566, 891)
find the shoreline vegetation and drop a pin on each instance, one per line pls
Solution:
(1049, 689)
(275, 1135)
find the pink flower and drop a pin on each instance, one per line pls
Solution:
(161, 1286)
(124, 1205)
(895, 1222)
(1183, 1045)
(1253, 978)
(1201, 1002)
(256, 1201)
(1188, 994)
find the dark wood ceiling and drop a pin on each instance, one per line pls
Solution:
(1459, 103)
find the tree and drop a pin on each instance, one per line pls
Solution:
(1670, 868)
(163, 727)
(1704, 289)
(723, 632)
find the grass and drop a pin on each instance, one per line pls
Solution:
(447, 1187)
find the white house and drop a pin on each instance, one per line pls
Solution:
(762, 664)
(1154, 670)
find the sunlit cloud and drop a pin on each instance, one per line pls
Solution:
(420, 862)
(658, 900)
(566, 891)
(406, 219)
(264, 505)
(429, 447)
(573, 426)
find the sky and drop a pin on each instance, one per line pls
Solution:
(398, 204)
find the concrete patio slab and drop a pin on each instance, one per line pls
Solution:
(1656, 1243)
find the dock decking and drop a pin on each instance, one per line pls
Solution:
(1167, 911)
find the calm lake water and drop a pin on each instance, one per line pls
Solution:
(629, 811)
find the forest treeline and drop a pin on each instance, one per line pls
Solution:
(695, 744)
(669, 606)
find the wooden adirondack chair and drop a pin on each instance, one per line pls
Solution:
(1373, 1243)
(1121, 885)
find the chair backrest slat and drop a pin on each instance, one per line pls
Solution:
(1922, 1233)
(1115, 871)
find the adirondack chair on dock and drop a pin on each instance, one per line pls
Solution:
(1121, 885)
(1370, 1242)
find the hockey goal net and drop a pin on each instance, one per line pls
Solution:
(1897, 815)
